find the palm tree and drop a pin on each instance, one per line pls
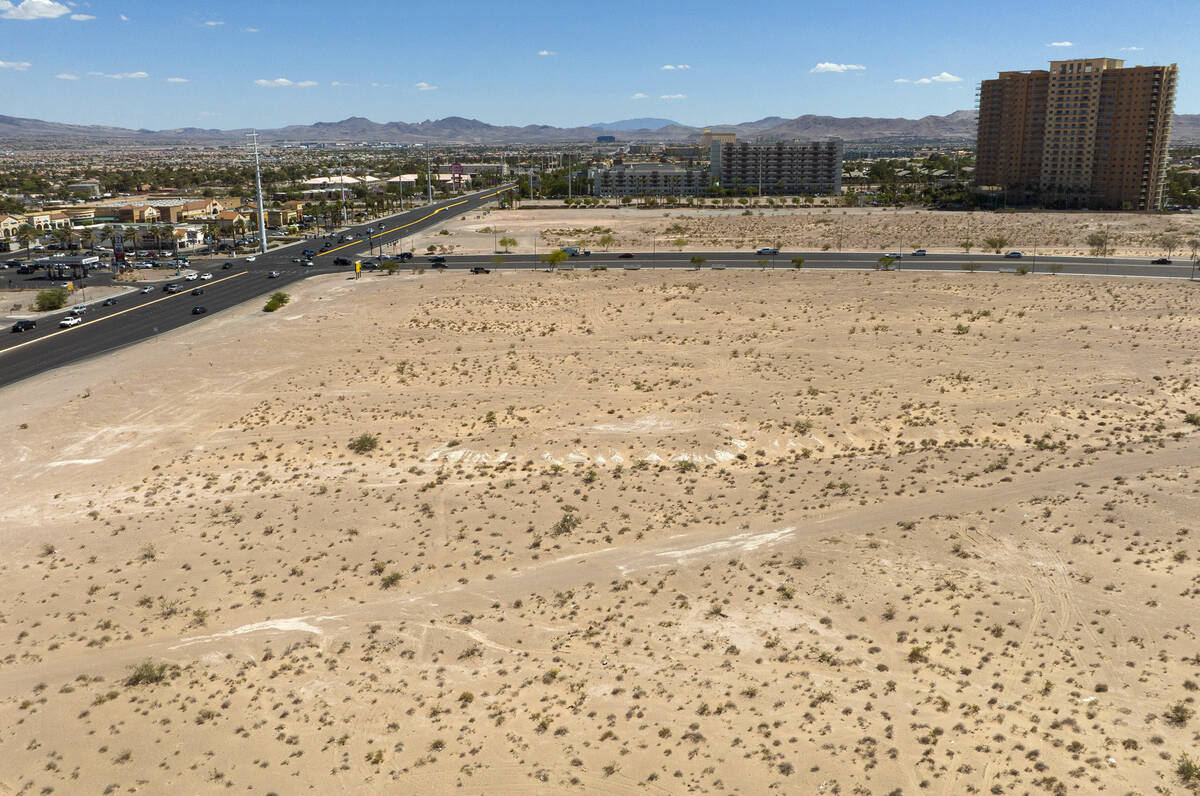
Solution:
(129, 237)
(26, 235)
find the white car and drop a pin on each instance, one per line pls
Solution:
(250, 259)
(70, 320)
(192, 277)
(205, 277)
(147, 289)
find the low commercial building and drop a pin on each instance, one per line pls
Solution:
(87, 188)
(778, 167)
(138, 214)
(708, 136)
(187, 210)
(648, 179)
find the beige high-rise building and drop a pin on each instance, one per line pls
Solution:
(1088, 132)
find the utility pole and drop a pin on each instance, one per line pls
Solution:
(262, 221)
(568, 176)
(429, 178)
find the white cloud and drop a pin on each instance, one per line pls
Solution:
(545, 52)
(1061, 44)
(639, 95)
(123, 17)
(67, 76)
(1131, 49)
(213, 23)
(251, 30)
(672, 67)
(902, 80)
(339, 83)
(283, 82)
(941, 77)
(672, 96)
(826, 66)
(19, 66)
(120, 75)
(423, 86)
(178, 80)
(32, 9)
(82, 17)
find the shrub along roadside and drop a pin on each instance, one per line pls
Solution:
(53, 299)
(276, 301)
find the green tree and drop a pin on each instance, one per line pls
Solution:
(797, 262)
(679, 243)
(554, 258)
(53, 299)
(697, 260)
(1169, 241)
(506, 242)
(1098, 243)
(607, 240)
(885, 263)
(26, 235)
(996, 243)
(967, 245)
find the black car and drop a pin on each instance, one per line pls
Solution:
(226, 266)
(341, 261)
(437, 258)
(404, 256)
(479, 269)
(1160, 261)
(24, 326)
(370, 265)
(198, 291)
(308, 252)
(198, 310)
(108, 302)
(171, 288)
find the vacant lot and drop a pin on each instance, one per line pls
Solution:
(614, 532)
(815, 229)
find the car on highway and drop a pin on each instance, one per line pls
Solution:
(198, 291)
(198, 310)
(171, 288)
(296, 259)
(205, 277)
(24, 325)
(370, 265)
(479, 269)
(251, 258)
(307, 263)
(192, 277)
(404, 256)
(108, 302)
(148, 289)
(1160, 261)
(1013, 255)
(625, 256)
(273, 275)
(767, 250)
(341, 261)
(69, 321)
(226, 266)
(918, 253)
(894, 255)
(77, 311)
(437, 258)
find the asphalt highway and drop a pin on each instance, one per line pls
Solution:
(137, 316)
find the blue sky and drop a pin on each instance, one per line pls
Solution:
(268, 63)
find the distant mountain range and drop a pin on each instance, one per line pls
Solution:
(959, 125)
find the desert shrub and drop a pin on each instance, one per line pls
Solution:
(364, 443)
(147, 673)
(276, 301)
(52, 299)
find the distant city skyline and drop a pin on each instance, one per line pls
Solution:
(143, 64)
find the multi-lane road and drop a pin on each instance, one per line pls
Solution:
(138, 316)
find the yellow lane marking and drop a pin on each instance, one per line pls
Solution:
(418, 221)
(114, 315)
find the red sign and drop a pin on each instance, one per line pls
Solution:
(456, 169)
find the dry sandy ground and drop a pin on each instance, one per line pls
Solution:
(623, 532)
(855, 229)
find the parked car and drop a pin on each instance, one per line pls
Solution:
(24, 326)
(479, 269)
(1013, 255)
(1160, 261)
(198, 310)
(69, 321)
(171, 288)
(918, 253)
(205, 277)
(767, 250)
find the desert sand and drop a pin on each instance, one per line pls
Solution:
(619, 532)
(865, 229)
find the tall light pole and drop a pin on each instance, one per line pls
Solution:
(429, 177)
(262, 221)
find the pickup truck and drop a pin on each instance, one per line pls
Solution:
(575, 251)
(767, 250)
